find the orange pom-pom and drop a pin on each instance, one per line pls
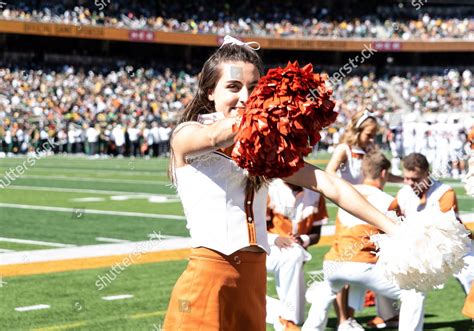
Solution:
(282, 121)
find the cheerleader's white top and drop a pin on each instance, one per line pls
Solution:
(219, 214)
(351, 170)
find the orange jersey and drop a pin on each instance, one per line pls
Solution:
(352, 243)
(470, 138)
(290, 213)
(468, 308)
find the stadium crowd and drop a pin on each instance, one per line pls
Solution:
(442, 93)
(123, 112)
(131, 112)
(267, 19)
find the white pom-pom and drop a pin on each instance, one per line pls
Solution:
(424, 251)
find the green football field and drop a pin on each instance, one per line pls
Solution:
(79, 201)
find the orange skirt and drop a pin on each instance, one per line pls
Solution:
(468, 309)
(219, 292)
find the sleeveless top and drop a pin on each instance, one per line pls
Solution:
(351, 170)
(219, 214)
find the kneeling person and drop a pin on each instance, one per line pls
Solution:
(351, 259)
(294, 216)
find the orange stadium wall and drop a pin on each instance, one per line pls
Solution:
(178, 38)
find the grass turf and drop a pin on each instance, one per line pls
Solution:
(75, 302)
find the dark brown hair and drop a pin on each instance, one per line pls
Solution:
(416, 160)
(211, 73)
(208, 77)
(373, 164)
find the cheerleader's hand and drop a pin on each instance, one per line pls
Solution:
(283, 242)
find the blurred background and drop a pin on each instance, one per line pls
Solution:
(92, 235)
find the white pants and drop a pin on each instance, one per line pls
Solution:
(361, 276)
(287, 266)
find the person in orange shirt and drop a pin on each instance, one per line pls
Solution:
(294, 219)
(351, 259)
(422, 192)
(422, 189)
(346, 162)
(468, 308)
(470, 138)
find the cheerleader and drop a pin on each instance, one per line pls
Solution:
(295, 216)
(224, 284)
(346, 162)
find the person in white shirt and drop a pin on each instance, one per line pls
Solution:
(71, 139)
(8, 140)
(62, 141)
(224, 284)
(134, 136)
(118, 136)
(92, 136)
(20, 138)
(164, 143)
(294, 219)
(155, 133)
(147, 141)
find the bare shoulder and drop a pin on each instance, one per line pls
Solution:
(338, 157)
(181, 138)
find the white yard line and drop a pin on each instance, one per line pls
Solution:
(128, 170)
(134, 249)
(6, 250)
(80, 190)
(99, 180)
(34, 242)
(111, 240)
(88, 199)
(92, 211)
(117, 297)
(29, 308)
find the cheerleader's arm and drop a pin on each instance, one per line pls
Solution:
(342, 194)
(192, 139)
(337, 159)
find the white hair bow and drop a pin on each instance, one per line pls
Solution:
(366, 115)
(233, 41)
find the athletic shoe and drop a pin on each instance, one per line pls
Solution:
(350, 324)
(379, 323)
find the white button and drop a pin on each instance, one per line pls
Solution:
(249, 202)
(249, 218)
